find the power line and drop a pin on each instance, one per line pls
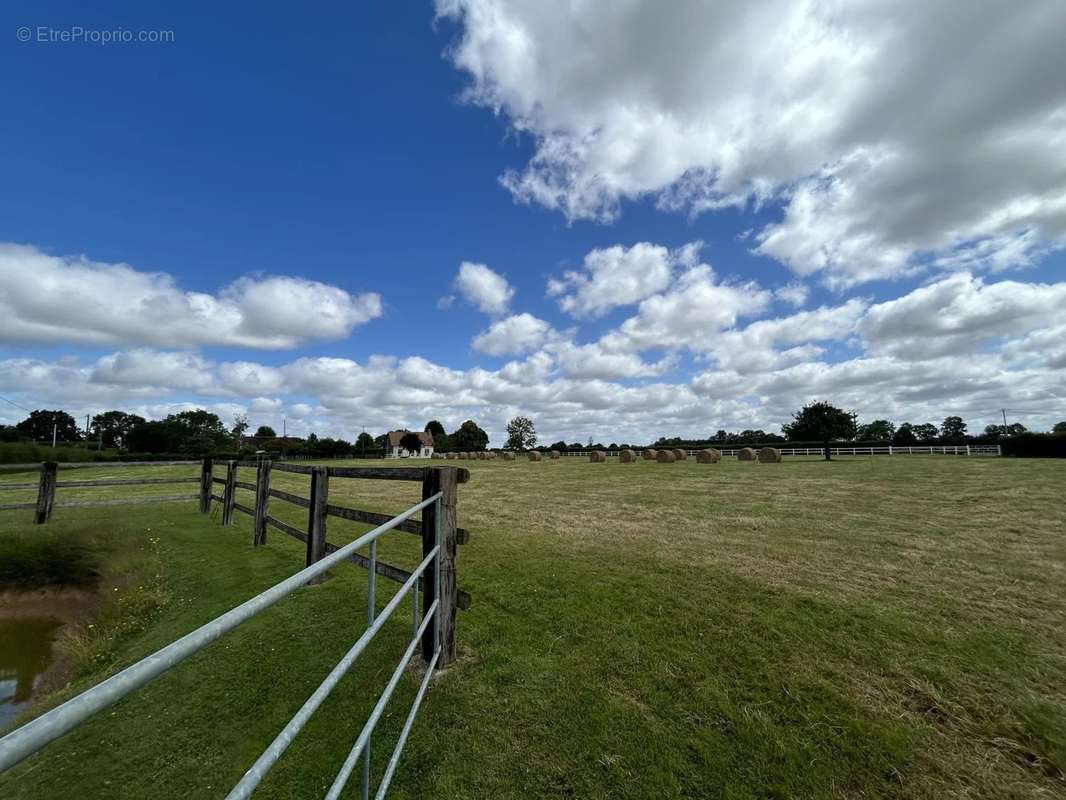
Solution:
(16, 405)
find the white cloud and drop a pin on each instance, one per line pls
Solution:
(483, 288)
(896, 132)
(794, 293)
(619, 276)
(959, 314)
(695, 310)
(48, 299)
(513, 336)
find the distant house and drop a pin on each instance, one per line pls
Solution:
(396, 450)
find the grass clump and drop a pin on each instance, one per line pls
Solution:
(38, 558)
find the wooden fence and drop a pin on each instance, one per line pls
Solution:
(432, 479)
(223, 490)
(48, 482)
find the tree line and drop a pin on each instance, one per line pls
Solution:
(199, 431)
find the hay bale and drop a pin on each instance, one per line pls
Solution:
(534, 455)
(769, 455)
(597, 457)
(709, 456)
(650, 455)
(507, 455)
(680, 454)
(665, 457)
(626, 456)
(554, 454)
(436, 457)
(490, 455)
(746, 454)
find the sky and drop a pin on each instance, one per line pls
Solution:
(622, 219)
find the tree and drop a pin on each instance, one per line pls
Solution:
(40, 424)
(821, 422)
(925, 432)
(953, 429)
(880, 430)
(411, 442)
(111, 428)
(904, 435)
(435, 429)
(521, 435)
(560, 446)
(364, 442)
(1060, 428)
(240, 425)
(9, 433)
(265, 432)
(470, 438)
(312, 442)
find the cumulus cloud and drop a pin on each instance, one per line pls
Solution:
(794, 293)
(48, 299)
(896, 133)
(695, 309)
(483, 288)
(619, 276)
(959, 314)
(513, 336)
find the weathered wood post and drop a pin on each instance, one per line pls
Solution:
(444, 480)
(316, 519)
(205, 486)
(262, 504)
(46, 492)
(229, 493)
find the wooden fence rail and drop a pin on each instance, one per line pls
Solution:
(223, 490)
(444, 480)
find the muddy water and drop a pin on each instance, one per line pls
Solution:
(26, 650)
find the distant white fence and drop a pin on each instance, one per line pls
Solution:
(886, 450)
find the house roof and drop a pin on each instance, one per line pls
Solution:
(424, 436)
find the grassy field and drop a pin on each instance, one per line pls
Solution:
(866, 628)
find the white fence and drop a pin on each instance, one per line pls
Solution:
(886, 450)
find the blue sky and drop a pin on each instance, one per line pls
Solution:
(338, 147)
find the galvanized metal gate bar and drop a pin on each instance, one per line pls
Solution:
(37, 733)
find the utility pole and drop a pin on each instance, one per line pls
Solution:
(55, 428)
(283, 428)
(1004, 422)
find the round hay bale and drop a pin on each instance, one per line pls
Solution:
(554, 454)
(769, 455)
(436, 457)
(507, 455)
(597, 457)
(680, 455)
(709, 456)
(490, 455)
(534, 455)
(460, 456)
(650, 455)
(746, 454)
(665, 457)
(626, 456)
(451, 456)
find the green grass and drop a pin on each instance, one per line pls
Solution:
(875, 628)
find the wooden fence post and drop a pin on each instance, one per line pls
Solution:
(444, 480)
(46, 492)
(229, 493)
(262, 504)
(205, 486)
(316, 519)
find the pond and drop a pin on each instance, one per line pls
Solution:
(25, 653)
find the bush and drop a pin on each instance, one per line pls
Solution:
(46, 558)
(1034, 445)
